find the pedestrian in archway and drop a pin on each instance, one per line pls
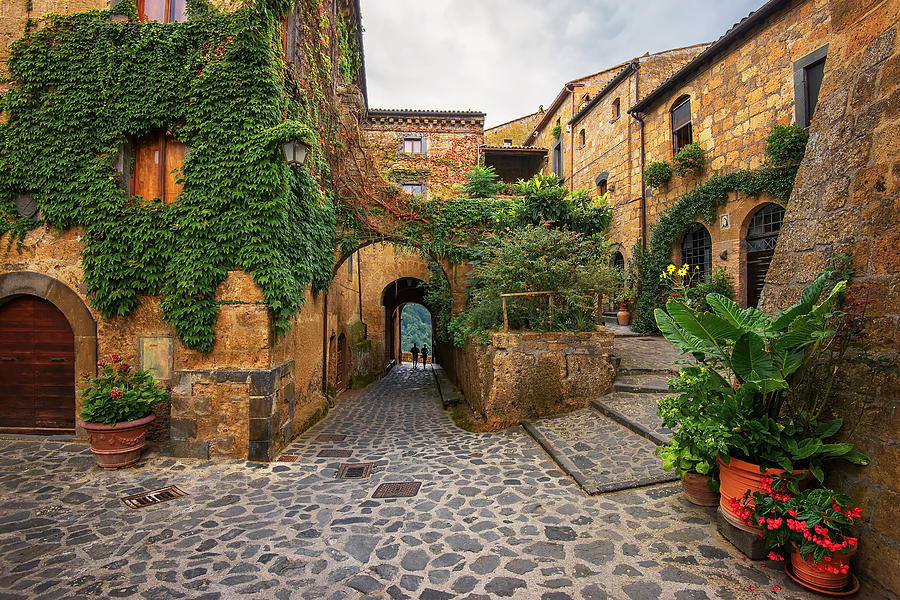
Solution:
(415, 355)
(424, 355)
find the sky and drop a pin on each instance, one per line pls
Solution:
(507, 57)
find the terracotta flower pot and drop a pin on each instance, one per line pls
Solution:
(808, 573)
(623, 317)
(736, 477)
(119, 445)
(696, 489)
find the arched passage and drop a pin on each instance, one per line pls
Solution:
(395, 296)
(416, 328)
(47, 337)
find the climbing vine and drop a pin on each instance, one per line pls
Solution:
(218, 83)
(350, 60)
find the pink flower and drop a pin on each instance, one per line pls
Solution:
(115, 357)
(775, 588)
(116, 393)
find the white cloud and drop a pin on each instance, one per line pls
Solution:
(506, 57)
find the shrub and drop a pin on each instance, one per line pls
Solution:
(118, 394)
(556, 131)
(657, 173)
(720, 282)
(545, 200)
(786, 145)
(535, 259)
(481, 182)
(688, 160)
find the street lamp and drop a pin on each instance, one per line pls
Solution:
(295, 151)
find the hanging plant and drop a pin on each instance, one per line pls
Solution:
(689, 160)
(657, 173)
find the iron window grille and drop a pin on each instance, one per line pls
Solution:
(696, 252)
(762, 233)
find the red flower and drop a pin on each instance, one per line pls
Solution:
(775, 588)
(116, 393)
(775, 556)
(115, 357)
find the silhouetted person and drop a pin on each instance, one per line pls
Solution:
(415, 355)
(424, 355)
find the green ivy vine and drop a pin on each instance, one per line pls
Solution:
(84, 85)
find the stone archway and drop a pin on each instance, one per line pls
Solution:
(69, 303)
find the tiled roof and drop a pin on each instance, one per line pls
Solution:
(413, 112)
(520, 148)
(609, 85)
(723, 43)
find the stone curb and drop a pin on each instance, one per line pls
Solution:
(638, 388)
(634, 426)
(449, 394)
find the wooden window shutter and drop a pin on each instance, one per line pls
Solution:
(424, 145)
(174, 159)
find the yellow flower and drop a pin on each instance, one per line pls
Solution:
(696, 267)
(662, 275)
(498, 220)
(684, 266)
(682, 272)
(670, 268)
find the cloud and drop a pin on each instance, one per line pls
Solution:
(506, 57)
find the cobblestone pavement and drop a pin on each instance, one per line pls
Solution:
(638, 408)
(494, 518)
(645, 354)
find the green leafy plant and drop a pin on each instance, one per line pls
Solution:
(720, 282)
(118, 394)
(556, 131)
(481, 182)
(752, 359)
(786, 145)
(657, 173)
(545, 200)
(689, 160)
(626, 296)
(817, 523)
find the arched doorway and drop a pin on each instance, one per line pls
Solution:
(395, 296)
(415, 328)
(696, 251)
(762, 235)
(37, 367)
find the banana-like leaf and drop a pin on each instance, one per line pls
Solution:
(857, 458)
(764, 386)
(744, 319)
(787, 360)
(708, 327)
(807, 301)
(750, 360)
(680, 338)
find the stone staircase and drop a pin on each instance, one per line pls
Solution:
(611, 445)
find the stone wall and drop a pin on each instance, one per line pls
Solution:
(522, 375)
(516, 130)
(846, 200)
(735, 102)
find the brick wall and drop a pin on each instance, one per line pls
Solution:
(846, 200)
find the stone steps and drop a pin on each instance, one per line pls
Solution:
(637, 412)
(652, 383)
(600, 453)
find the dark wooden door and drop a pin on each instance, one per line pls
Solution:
(757, 267)
(37, 367)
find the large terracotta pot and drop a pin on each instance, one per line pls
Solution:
(119, 445)
(736, 477)
(623, 317)
(696, 489)
(807, 573)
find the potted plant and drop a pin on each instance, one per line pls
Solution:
(696, 440)
(657, 173)
(625, 298)
(769, 422)
(688, 160)
(116, 411)
(814, 526)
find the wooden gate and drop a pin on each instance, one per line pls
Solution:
(37, 368)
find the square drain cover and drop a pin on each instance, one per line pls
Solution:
(335, 453)
(397, 490)
(154, 497)
(331, 437)
(355, 470)
(287, 458)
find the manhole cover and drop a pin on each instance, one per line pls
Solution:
(397, 490)
(354, 470)
(335, 453)
(154, 497)
(287, 458)
(331, 437)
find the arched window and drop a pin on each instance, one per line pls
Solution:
(164, 11)
(682, 132)
(602, 186)
(616, 108)
(582, 138)
(618, 261)
(156, 156)
(696, 251)
(762, 235)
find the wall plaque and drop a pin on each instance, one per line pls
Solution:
(156, 356)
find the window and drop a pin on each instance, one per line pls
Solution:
(156, 156)
(350, 267)
(616, 108)
(618, 261)
(809, 72)
(696, 252)
(582, 138)
(413, 145)
(164, 11)
(762, 234)
(682, 133)
(602, 187)
(416, 189)
(557, 159)
(507, 142)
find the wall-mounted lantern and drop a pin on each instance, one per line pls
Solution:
(295, 152)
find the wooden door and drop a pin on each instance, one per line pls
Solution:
(757, 267)
(37, 367)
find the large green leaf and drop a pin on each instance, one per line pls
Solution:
(680, 338)
(787, 360)
(744, 319)
(706, 326)
(807, 301)
(750, 360)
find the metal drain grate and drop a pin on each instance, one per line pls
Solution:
(331, 437)
(355, 470)
(397, 490)
(287, 458)
(154, 497)
(335, 453)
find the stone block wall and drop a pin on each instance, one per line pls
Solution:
(521, 375)
(516, 130)
(847, 199)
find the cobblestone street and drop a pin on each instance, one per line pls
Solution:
(494, 518)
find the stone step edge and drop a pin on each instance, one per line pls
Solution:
(633, 426)
(590, 487)
(639, 388)
(448, 392)
(661, 371)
